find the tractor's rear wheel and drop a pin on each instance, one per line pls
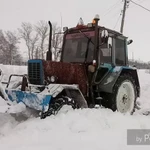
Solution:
(124, 95)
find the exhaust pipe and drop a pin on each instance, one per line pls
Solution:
(49, 52)
(96, 19)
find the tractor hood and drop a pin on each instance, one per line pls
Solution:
(48, 72)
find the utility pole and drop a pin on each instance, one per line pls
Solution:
(126, 3)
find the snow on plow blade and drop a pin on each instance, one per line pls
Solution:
(32, 100)
(41, 101)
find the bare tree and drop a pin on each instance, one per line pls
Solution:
(42, 30)
(30, 37)
(36, 39)
(3, 47)
(37, 56)
(12, 40)
(9, 53)
(33, 45)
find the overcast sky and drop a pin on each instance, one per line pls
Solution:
(137, 21)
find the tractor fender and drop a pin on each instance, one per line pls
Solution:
(109, 81)
(71, 91)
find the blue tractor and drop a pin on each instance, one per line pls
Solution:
(93, 70)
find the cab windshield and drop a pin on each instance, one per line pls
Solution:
(78, 47)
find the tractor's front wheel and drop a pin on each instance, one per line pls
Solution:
(124, 95)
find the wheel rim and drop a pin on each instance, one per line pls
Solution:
(125, 97)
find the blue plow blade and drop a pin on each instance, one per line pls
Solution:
(35, 101)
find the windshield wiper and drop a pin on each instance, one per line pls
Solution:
(86, 36)
(87, 50)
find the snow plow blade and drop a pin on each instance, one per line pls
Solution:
(32, 100)
(44, 100)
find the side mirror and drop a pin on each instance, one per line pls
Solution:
(109, 42)
(104, 36)
(129, 42)
(65, 29)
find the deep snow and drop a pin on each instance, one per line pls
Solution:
(87, 129)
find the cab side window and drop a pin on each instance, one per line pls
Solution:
(106, 51)
(120, 52)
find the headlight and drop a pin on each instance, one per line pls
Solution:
(52, 78)
(91, 68)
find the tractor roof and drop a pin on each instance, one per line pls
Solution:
(86, 28)
(90, 26)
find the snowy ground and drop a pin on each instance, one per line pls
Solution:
(88, 129)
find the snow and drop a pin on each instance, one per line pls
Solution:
(55, 89)
(86, 129)
(3, 92)
(3, 105)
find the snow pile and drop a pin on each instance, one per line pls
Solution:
(2, 92)
(7, 70)
(90, 129)
(17, 108)
(7, 124)
(11, 107)
(144, 100)
(3, 105)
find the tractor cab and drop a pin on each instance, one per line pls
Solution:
(93, 44)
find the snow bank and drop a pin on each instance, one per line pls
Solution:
(3, 105)
(90, 129)
(144, 100)
(7, 70)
